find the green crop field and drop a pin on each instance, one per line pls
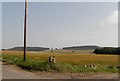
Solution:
(65, 59)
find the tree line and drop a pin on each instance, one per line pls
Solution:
(81, 47)
(28, 48)
(107, 50)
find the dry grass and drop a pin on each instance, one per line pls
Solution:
(66, 56)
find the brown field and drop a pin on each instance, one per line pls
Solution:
(77, 58)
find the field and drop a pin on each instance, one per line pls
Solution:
(66, 60)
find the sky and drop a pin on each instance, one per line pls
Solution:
(59, 24)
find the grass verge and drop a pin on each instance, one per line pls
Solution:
(44, 65)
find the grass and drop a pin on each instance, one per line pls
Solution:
(65, 62)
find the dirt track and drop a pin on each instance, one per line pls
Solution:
(13, 72)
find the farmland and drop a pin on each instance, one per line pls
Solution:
(65, 58)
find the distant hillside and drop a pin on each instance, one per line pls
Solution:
(81, 47)
(28, 48)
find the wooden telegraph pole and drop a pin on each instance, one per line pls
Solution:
(25, 25)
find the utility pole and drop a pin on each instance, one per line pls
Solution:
(25, 26)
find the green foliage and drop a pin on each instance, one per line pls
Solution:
(107, 50)
(44, 65)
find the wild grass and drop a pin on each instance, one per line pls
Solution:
(65, 62)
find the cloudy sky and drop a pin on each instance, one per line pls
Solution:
(59, 24)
